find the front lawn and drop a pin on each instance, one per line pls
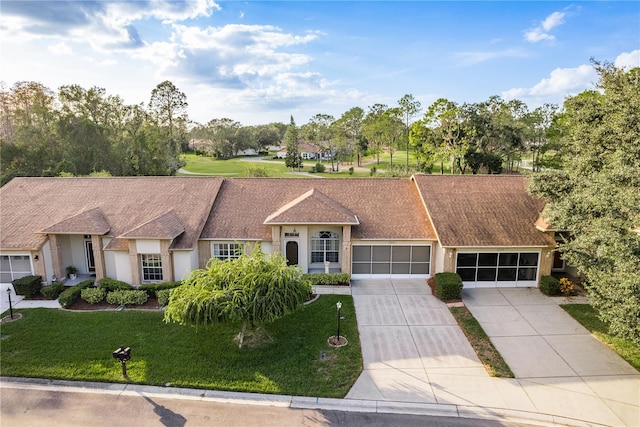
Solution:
(68, 345)
(587, 316)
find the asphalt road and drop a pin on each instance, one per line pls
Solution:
(35, 408)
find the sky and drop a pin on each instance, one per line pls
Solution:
(258, 62)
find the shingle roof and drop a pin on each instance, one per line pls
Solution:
(387, 208)
(91, 221)
(31, 205)
(165, 226)
(312, 207)
(482, 210)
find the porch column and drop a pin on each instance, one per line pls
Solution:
(56, 256)
(275, 238)
(204, 253)
(134, 262)
(98, 257)
(167, 261)
(346, 249)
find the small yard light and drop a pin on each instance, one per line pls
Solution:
(339, 307)
(10, 306)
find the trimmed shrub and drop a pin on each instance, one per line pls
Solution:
(52, 291)
(127, 297)
(320, 168)
(114, 285)
(152, 288)
(448, 286)
(163, 296)
(549, 285)
(70, 295)
(92, 295)
(29, 286)
(327, 278)
(351, 170)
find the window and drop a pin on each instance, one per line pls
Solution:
(497, 266)
(391, 259)
(151, 267)
(226, 251)
(14, 267)
(325, 246)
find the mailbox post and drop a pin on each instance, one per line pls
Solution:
(122, 354)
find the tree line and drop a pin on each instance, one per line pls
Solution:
(78, 131)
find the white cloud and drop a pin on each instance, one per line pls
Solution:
(628, 59)
(470, 58)
(541, 31)
(60, 49)
(560, 83)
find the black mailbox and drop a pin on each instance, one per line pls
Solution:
(122, 354)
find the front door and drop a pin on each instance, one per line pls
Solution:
(88, 250)
(291, 252)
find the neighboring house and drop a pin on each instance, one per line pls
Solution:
(307, 152)
(152, 229)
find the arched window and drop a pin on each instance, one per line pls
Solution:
(325, 246)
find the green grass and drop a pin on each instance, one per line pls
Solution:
(487, 353)
(59, 344)
(587, 316)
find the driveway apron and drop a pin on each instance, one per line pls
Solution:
(561, 367)
(414, 351)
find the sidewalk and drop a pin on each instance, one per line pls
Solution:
(417, 361)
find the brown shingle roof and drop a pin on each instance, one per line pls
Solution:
(312, 207)
(482, 210)
(29, 205)
(387, 208)
(164, 226)
(91, 221)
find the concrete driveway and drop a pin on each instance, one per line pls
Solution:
(415, 353)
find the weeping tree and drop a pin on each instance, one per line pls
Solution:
(254, 289)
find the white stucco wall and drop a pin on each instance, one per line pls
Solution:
(78, 256)
(183, 263)
(148, 246)
(121, 267)
(48, 262)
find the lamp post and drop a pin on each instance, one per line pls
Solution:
(10, 306)
(339, 306)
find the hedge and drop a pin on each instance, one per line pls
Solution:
(70, 295)
(327, 278)
(127, 297)
(114, 285)
(549, 285)
(152, 288)
(448, 286)
(163, 296)
(92, 295)
(29, 286)
(52, 291)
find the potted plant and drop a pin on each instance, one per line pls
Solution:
(72, 272)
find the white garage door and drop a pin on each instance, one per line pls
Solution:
(391, 260)
(498, 269)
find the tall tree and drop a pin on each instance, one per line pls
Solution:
(348, 130)
(320, 133)
(169, 106)
(410, 107)
(596, 199)
(292, 159)
(373, 129)
(254, 289)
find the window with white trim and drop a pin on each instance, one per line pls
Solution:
(151, 267)
(13, 267)
(226, 251)
(325, 246)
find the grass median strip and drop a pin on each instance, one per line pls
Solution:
(587, 316)
(487, 353)
(59, 344)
